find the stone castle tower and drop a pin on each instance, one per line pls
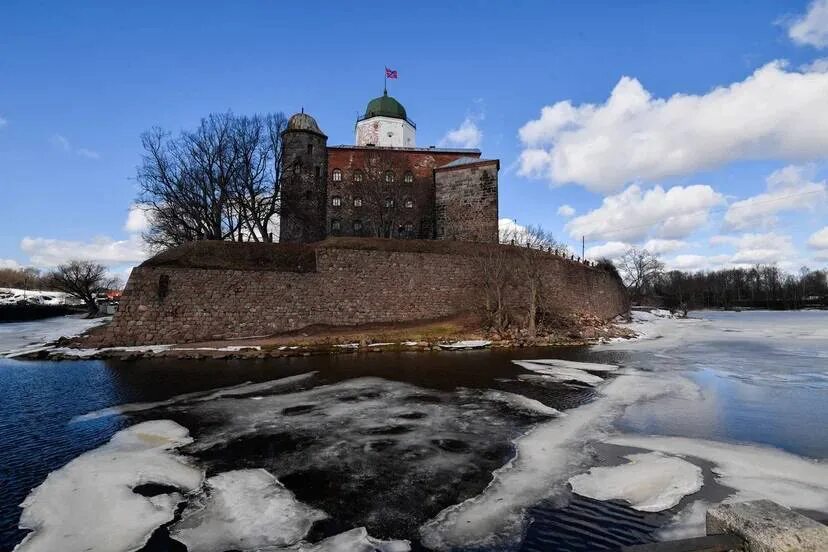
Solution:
(384, 186)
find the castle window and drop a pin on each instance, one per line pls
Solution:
(357, 176)
(389, 202)
(357, 202)
(336, 175)
(336, 201)
(318, 171)
(408, 178)
(297, 168)
(389, 176)
(310, 149)
(336, 226)
(409, 203)
(308, 195)
(409, 229)
(357, 226)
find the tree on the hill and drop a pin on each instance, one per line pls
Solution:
(219, 182)
(82, 279)
(640, 270)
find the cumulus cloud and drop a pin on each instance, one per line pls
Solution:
(63, 143)
(509, 229)
(47, 252)
(659, 246)
(757, 248)
(811, 29)
(773, 113)
(467, 135)
(819, 239)
(788, 189)
(694, 263)
(610, 250)
(137, 220)
(634, 214)
(566, 211)
(10, 263)
(817, 66)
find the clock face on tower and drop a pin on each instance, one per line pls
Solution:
(368, 133)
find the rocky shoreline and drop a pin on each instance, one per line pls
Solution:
(571, 332)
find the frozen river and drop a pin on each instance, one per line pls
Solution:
(396, 451)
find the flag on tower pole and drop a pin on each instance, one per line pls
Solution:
(390, 73)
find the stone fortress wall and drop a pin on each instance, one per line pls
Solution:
(218, 290)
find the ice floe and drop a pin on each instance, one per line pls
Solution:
(754, 471)
(355, 540)
(588, 366)
(522, 403)
(547, 456)
(89, 504)
(560, 373)
(245, 388)
(20, 338)
(650, 482)
(688, 523)
(467, 344)
(244, 510)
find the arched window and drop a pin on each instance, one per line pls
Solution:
(297, 167)
(389, 202)
(357, 202)
(408, 178)
(336, 201)
(389, 176)
(336, 175)
(357, 226)
(409, 203)
(336, 226)
(357, 176)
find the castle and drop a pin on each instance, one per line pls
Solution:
(383, 186)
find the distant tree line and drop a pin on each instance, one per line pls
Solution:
(760, 286)
(80, 279)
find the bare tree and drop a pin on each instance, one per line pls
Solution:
(640, 270)
(383, 191)
(494, 265)
(218, 182)
(82, 279)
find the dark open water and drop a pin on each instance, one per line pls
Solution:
(388, 440)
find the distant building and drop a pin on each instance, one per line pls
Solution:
(383, 186)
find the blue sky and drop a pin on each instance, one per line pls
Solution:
(79, 82)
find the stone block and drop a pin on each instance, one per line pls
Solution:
(768, 527)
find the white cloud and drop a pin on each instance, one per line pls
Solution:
(819, 239)
(817, 66)
(752, 248)
(811, 28)
(693, 263)
(773, 113)
(137, 220)
(634, 214)
(467, 135)
(10, 263)
(789, 189)
(610, 250)
(566, 211)
(46, 253)
(509, 229)
(63, 143)
(659, 246)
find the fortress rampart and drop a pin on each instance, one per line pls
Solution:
(219, 290)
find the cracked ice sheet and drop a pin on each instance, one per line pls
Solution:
(650, 482)
(588, 366)
(246, 388)
(754, 471)
(561, 374)
(547, 456)
(89, 504)
(244, 510)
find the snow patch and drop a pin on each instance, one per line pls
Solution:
(355, 540)
(20, 338)
(244, 510)
(559, 373)
(754, 471)
(89, 504)
(650, 482)
(468, 344)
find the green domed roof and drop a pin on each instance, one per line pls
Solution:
(385, 106)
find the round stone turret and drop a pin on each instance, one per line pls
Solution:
(303, 121)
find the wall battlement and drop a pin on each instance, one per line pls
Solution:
(220, 290)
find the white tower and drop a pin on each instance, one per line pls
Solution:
(385, 124)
